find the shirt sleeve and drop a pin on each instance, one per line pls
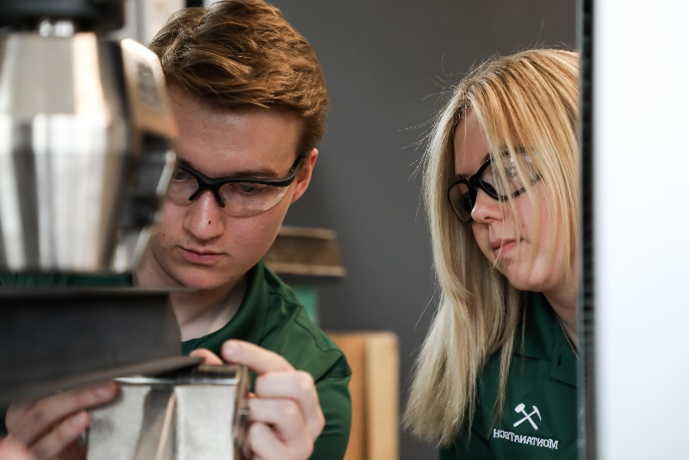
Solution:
(334, 397)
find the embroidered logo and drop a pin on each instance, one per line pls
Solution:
(520, 409)
(526, 439)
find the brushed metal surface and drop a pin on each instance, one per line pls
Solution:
(86, 151)
(199, 412)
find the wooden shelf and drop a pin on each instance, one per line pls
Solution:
(306, 252)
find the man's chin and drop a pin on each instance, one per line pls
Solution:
(199, 278)
(202, 285)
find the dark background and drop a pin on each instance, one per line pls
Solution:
(388, 64)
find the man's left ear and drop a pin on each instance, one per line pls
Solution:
(304, 175)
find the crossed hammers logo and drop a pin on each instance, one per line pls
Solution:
(520, 408)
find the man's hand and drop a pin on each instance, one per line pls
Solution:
(12, 450)
(286, 417)
(50, 427)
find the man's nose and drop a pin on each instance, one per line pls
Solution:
(205, 218)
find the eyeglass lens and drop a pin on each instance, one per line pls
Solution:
(239, 197)
(462, 193)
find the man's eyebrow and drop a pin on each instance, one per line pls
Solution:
(257, 173)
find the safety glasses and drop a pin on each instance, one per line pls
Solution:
(462, 192)
(236, 196)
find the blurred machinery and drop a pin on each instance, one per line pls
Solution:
(86, 152)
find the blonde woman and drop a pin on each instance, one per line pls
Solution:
(496, 377)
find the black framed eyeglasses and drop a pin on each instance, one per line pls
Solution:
(236, 196)
(462, 192)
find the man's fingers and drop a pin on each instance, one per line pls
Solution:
(285, 419)
(286, 416)
(297, 386)
(265, 445)
(27, 422)
(208, 356)
(57, 441)
(254, 357)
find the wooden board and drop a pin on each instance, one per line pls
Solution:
(374, 359)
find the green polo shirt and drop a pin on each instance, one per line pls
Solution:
(270, 316)
(539, 417)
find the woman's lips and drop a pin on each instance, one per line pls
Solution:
(501, 248)
(199, 257)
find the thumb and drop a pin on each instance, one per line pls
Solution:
(208, 356)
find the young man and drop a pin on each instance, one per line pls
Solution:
(250, 102)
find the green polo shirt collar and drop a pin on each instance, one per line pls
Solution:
(545, 340)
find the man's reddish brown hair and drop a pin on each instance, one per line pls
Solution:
(244, 53)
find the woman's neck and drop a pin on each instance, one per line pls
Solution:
(564, 303)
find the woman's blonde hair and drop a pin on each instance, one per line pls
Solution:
(526, 104)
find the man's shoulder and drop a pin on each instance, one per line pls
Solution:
(292, 333)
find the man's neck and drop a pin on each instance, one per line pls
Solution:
(199, 312)
(202, 312)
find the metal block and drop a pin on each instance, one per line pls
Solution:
(197, 413)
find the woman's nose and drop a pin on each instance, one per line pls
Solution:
(485, 208)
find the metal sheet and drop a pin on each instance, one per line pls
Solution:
(52, 339)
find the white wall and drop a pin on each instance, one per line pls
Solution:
(641, 157)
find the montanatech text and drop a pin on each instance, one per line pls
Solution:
(525, 439)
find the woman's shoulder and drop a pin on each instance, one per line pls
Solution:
(538, 417)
